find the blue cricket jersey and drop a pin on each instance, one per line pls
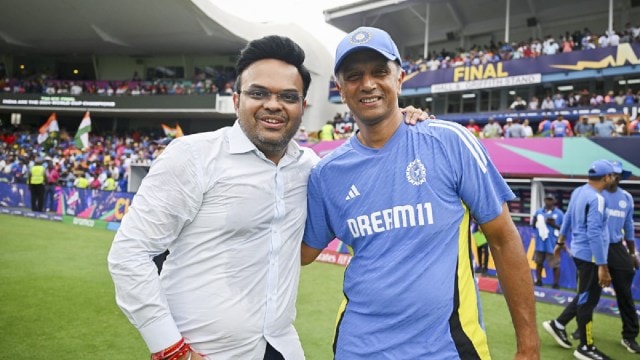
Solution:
(586, 220)
(405, 210)
(619, 206)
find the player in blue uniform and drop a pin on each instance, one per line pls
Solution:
(546, 223)
(402, 198)
(586, 221)
(622, 259)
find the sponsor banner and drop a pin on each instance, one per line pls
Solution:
(487, 83)
(595, 59)
(30, 214)
(98, 224)
(82, 203)
(64, 101)
(92, 204)
(333, 257)
(107, 104)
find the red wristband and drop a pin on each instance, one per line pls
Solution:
(173, 352)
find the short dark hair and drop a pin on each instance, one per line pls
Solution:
(274, 47)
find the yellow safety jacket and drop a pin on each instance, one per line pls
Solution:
(37, 175)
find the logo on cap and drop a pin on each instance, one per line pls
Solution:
(360, 37)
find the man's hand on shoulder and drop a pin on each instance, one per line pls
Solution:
(413, 115)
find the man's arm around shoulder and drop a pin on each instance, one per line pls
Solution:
(308, 254)
(515, 279)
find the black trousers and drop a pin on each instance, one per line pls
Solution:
(272, 354)
(483, 256)
(622, 273)
(37, 197)
(584, 302)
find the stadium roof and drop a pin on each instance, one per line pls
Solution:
(451, 20)
(122, 27)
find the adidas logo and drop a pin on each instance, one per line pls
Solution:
(353, 192)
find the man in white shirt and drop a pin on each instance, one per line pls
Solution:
(547, 104)
(603, 41)
(230, 206)
(518, 104)
(614, 38)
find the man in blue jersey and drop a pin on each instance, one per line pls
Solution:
(586, 221)
(622, 260)
(402, 198)
(546, 223)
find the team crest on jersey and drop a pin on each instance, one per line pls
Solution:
(416, 172)
(622, 204)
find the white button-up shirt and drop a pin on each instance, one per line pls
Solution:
(233, 223)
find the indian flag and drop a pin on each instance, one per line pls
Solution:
(172, 132)
(50, 126)
(81, 140)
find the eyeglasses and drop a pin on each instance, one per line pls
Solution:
(287, 96)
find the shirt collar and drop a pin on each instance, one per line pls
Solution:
(239, 142)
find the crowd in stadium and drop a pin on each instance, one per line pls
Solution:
(110, 155)
(558, 127)
(48, 83)
(501, 51)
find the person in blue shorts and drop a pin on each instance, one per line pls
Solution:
(586, 220)
(402, 197)
(546, 223)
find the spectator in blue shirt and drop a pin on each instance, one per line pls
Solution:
(604, 128)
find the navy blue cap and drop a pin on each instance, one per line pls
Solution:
(617, 168)
(601, 168)
(364, 38)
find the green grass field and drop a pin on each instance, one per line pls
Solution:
(57, 302)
